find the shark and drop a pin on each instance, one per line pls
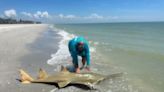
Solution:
(65, 77)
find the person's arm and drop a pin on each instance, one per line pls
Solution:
(70, 46)
(87, 55)
(75, 60)
(72, 50)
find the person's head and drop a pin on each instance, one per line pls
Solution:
(80, 46)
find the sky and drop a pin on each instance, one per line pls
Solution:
(83, 11)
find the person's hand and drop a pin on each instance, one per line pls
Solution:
(77, 70)
(87, 68)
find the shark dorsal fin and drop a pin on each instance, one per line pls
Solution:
(64, 69)
(42, 74)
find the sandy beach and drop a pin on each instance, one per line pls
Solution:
(24, 46)
(29, 47)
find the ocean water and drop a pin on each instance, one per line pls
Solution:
(137, 49)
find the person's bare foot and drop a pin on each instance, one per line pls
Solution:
(78, 70)
(88, 69)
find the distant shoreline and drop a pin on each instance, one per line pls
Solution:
(113, 22)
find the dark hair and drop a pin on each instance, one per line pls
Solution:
(80, 45)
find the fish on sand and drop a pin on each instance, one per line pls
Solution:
(64, 77)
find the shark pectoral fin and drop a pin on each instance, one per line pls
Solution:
(63, 84)
(88, 84)
(42, 74)
(25, 78)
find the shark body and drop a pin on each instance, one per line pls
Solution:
(64, 77)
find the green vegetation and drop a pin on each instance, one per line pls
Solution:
(14, 21)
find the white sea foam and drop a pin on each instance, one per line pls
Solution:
(96, 43)
(92, 49)
(62, 54)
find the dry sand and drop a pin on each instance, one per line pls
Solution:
(13, 41)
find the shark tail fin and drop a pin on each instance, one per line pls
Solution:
(25, 78)
(42, 74)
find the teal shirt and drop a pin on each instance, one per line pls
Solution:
(74, 52)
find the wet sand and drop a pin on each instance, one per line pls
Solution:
(27, 47)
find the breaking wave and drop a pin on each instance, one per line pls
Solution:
(63, 53)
